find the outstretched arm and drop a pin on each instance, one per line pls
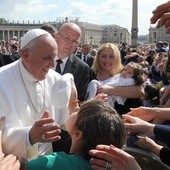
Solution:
(154, 115)
(126, 91)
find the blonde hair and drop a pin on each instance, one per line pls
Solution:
(117, 64)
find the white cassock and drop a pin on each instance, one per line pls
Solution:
(23, 100)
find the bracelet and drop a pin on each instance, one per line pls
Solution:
(73, 102)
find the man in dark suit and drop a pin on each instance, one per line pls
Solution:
(85, 56)
(14, 51)
(68, 38)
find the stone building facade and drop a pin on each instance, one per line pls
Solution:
(158, 35)
(91, 33)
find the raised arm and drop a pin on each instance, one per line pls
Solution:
(154, 115)
(128, 91)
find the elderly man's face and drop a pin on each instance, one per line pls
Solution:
(41, 58)
(68, 41)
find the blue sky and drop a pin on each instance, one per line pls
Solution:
(92, 11)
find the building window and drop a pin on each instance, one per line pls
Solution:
(154, 35)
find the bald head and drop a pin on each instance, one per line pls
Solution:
(70, 26)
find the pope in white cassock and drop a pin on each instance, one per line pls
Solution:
(30, 90)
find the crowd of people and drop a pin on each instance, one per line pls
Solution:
(68, 106)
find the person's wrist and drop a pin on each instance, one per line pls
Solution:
(150, 129)
(156, 149)
(31, 137)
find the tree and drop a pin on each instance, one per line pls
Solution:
(3, 20)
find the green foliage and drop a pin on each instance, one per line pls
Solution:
(3, 20)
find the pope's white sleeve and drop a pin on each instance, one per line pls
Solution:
(14, 141)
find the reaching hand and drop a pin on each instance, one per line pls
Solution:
(147, 114)
(101, 97)
(112, 158)
(148, 144)
(137, 125)
(9, 162)
(162, 15)
(44, 130)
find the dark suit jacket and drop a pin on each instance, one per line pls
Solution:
(80, 71)
(16, 56)
(5, 59)
(161, 132)
(89, 60)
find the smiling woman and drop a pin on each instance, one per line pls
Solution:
(107, 67)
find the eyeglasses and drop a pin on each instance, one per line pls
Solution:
(69, 40)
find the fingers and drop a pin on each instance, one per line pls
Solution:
(50, 133)
(101, 157)
(102, 97)
(103, 147)
(164, 21)
(155, 18)
(129, 119)
(163, 8)
(98, 164)
(46, 114)
(44, 121)
(118, 158)
(43, 127)
(51, 136)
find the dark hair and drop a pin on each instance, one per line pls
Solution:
(14, 46)
(138, 73)
(49, 28)
(100, 124)
(151, 91)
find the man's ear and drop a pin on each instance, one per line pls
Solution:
(25, 54)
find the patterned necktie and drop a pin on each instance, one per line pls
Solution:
(58, 68)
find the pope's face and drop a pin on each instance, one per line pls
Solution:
(41, 58)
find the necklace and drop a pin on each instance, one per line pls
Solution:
(37, 111)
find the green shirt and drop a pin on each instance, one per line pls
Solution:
(59, 161)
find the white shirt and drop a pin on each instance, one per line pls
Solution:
(16, 105)
(62, 65)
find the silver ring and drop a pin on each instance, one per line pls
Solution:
(108, 166)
